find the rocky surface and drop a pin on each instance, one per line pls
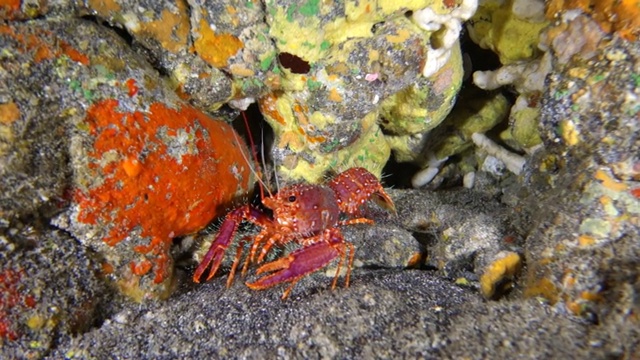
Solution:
(383, 314)
(49, 288)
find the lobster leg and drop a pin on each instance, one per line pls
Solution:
(223, 239)
(236, 261)
(277, 238)
(256, 242)
(357, 221)
(305, 261)
(286, 293)
(352, 253)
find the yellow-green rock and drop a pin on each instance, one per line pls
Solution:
(496, 27)
(524, 129)
(477, 112)
(424, 105)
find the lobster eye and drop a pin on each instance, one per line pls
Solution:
(292, 198)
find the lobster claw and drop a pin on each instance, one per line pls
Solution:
(305, 261)
(355, 186)
(223, 239)
(382, 199)
(217, 249)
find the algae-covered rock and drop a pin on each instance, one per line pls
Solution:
(327, 118)
(340, 66)
(423, 105)
(589, 176)
(524, 128)
(92, 131)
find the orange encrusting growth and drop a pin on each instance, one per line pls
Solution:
(73, 54)
(165, 190)
(132, 87)
(142, 268)
(610, 182)
(9, 9)
(621, 16)
(216, 49)
(170, 28)
(269, 107)
(9, 112)
(44, 46)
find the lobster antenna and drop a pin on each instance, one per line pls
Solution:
(258, 174)
(275, 174)
(264, 162)
(264, 166)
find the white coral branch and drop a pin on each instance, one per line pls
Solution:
(514, 162)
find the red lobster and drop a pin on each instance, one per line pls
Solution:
(306, 214)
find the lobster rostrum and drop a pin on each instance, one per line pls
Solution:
(308, 215)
